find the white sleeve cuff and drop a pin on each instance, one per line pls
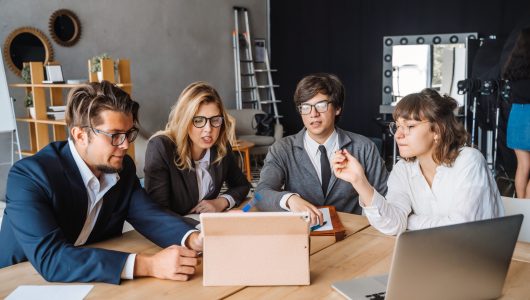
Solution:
(373, 210)
(128, 269)
(231, 201)
(283, 200)
(185, 237)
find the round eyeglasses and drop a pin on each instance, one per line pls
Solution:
(200, 121)
(394, 127)
(306, 108)
(116, 139)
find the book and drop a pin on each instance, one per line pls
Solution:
(56, 108)
(333, 225)
(76, 81)
(55, 115)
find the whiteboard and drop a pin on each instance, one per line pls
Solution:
(7, 119)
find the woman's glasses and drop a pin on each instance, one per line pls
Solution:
(394, 127)
(200, 121)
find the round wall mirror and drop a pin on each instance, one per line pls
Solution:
(65, 28)
(24, 45)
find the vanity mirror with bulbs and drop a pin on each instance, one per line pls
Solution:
(414, 62)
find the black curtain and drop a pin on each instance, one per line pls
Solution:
(345, 37)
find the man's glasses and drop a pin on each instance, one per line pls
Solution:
(200, 121)
(119, 137)
(320, 107)
(394, 127)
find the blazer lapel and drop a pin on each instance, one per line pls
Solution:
(190, 179)
(344, 143)
(78, 199)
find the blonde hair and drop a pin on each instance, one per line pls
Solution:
(181, 118)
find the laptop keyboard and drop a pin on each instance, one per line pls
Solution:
(376, 296)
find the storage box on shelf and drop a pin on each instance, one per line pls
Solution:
(41, 127)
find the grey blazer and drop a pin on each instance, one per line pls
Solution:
(177, 189)
(288, 169)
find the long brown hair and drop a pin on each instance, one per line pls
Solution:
(429, 105)
(181, 118)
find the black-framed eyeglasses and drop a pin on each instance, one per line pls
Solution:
(321, 107)
(393, 126)
(200, 121)
(119, 137)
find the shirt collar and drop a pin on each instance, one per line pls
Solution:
(205, 160)
(85, 171)
(312, 145)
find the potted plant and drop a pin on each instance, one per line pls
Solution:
(28, 101)
(95, 64)
(25, 73)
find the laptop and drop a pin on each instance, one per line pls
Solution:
(255, 248)
(462, 261)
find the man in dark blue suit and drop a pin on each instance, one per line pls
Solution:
(81, 191)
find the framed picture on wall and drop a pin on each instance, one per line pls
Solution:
(54, 74)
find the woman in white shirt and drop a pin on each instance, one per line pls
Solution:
(439, 181)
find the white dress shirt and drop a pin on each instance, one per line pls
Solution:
(205, 181)
(311, 148)
(96, 189)
(462, 193)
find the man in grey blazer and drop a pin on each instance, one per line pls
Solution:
(297, 174)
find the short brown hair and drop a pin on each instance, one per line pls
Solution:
(429, 105)
(324, 83)
(86, 103)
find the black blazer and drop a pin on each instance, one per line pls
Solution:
(177, 189)
(46, 210)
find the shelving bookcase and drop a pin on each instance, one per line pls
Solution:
(41, 127)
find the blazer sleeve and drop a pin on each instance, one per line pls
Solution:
(272, 180)
(238, 185)
(35, 228)
(156, 171)
(161, 226)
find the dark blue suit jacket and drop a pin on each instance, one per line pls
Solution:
(46, 210)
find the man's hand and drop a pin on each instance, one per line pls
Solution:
(194, 241)
(215, 205)
(297, 204)
(174, 263)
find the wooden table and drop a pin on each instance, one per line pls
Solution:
(152, 288)
(244, 147)
(369, 253)
(364, 252)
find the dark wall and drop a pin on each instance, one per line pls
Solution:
(345, 37)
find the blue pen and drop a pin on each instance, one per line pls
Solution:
(252, 202)
(313, 228)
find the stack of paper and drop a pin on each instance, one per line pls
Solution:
(56, 112)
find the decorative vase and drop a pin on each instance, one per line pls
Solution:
(32, 112)
(100, 76)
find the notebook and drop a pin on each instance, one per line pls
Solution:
(255, 248)
(462, 261)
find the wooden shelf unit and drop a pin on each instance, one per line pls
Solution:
(41, 127)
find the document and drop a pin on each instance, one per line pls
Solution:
(327, 219)
(44, 292)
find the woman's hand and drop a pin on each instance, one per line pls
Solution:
(215, 205)
(348, 168)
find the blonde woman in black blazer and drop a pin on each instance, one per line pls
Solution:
(187, 163)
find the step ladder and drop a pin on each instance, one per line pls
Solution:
(253, 79)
